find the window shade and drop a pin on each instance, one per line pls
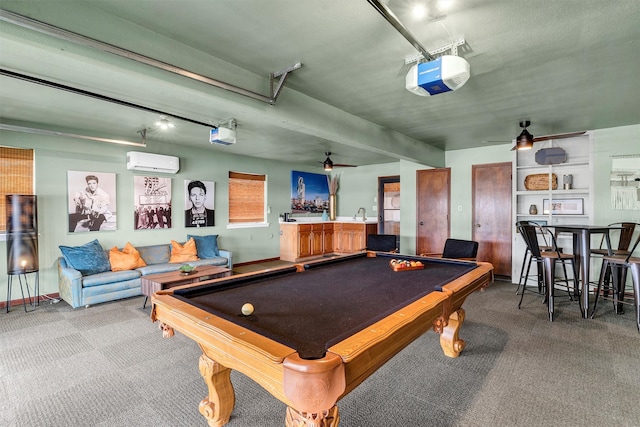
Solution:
(16, 169)
(246, 197)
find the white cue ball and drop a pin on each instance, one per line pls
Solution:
(247, 309)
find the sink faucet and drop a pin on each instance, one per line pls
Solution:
(364, 213)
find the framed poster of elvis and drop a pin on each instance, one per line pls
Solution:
(91, 200)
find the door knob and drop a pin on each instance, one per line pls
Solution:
(421, 223)
(477, 225)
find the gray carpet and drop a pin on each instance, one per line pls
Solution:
(108, 365)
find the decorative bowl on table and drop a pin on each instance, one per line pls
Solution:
(186, 270)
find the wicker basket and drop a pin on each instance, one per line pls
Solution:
(540, 181)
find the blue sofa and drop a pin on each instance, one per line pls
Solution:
(79, 290)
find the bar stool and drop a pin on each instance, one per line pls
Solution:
(617, 265)
(548, 260)
(625, 237)
(634, 266)
(527, 259)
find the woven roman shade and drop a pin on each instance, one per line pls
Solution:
(16, 169)
(246, 197)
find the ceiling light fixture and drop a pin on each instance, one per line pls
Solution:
(165, 124)
(393, 20)
(328, 164)
(419, 11)
(525, 139)
(445, 4)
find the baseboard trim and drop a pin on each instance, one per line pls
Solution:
(21, 301)
(260, 261)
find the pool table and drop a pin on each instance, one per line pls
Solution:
(318, 329)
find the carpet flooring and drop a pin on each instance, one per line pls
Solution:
(108, 365)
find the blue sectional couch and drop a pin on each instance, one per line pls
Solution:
(84, 290)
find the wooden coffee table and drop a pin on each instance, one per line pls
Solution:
(156, 282)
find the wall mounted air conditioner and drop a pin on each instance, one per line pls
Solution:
(138, 161)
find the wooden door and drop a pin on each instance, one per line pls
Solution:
(349, 242)
(317, 239)
(491, 193)
(389, 206)
(433, 207)
(327, 236)
(337, 237)
(305, 248)
(289, 242)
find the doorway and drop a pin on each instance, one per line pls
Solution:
(491, 215)
(389, 206)
(433, 203)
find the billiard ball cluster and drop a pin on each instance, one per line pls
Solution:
(404, 263)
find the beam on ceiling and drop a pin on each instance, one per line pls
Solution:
(48, 132)
(395, 22)
(95, 95)
(60, 33)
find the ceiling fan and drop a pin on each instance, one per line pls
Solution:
(329, 165)
(525, 140)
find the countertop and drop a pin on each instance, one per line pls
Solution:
(341, 219)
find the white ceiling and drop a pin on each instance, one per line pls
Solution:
(566, 65)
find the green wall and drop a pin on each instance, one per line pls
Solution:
(610, 142)
(358, 188)
(54, 156)
(460, 162)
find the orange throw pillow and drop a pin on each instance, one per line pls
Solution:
(131, 250)
(127, 259)
(121, 261)
(184, 253)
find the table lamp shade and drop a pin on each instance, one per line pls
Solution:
(22, 234)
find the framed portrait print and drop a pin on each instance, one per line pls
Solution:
(91, 200)
(563, 206)
(152, 196)
(199, 202)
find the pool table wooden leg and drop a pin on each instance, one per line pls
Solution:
(218, 405)
(449, 341)
(329, 418)
(312, 390)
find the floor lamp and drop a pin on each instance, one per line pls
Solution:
(22, 246)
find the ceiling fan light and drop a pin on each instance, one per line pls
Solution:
(525, 140)
(328, 164)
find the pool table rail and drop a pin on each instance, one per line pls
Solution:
(310, 388)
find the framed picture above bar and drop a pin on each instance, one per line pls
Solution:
(563, 206)
(309, 192)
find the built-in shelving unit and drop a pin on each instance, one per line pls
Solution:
(577, 201)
